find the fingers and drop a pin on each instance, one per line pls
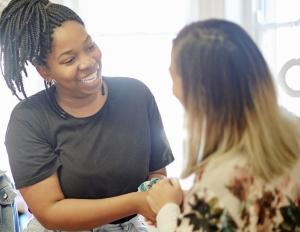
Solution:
(153, 204)
(166, 191)
(149, 222)
(175, 182)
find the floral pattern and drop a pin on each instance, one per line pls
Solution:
(241, 202)
(208, 216)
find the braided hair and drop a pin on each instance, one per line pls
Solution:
(26, 28)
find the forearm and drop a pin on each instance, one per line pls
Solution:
(84, 214)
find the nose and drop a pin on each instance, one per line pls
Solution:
(86, 62)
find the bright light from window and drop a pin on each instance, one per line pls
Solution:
(280, 38)
(279, 11)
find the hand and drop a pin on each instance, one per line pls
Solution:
(149, 222)
(165, 191)
(144, 208)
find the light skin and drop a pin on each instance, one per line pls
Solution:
(164, 192)
(168, 190)
(75, 65)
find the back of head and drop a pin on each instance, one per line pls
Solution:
(226, 83)
(26, 27)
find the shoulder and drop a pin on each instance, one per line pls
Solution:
(221, 186)
(30, 110)
(229, 178)
(126, 89)
(229, 185)
(128, 81)
(232, 164)
(210, 200)
(126, 84)
(33, 102)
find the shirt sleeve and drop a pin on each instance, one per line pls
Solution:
(204, 213)
(161, 154)
(167, 217)
(31, 156)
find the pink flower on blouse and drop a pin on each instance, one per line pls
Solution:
(240, 183)
(297, 198)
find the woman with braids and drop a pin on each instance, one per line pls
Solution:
(243, 148)
(79, 149)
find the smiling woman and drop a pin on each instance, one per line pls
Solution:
(74, 65)
(81, 147)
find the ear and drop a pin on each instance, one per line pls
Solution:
(43, 71)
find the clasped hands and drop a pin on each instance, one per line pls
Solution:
(167, 190)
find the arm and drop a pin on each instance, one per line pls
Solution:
(208, 203)
(161, 173)
(55, 212)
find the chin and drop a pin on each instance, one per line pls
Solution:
(178, 96)
(175, 94)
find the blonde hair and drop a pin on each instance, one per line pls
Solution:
(230, 100)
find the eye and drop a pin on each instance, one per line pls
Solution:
(69, 60)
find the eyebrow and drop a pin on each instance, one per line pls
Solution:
(88, 37)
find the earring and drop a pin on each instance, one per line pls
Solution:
(102, 88)
(50, 82)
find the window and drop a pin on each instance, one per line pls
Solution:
(275, 27)
(278, 24)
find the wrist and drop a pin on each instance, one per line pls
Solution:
(138, 201)
(159, 176)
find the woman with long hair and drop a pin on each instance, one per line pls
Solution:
(242, 147)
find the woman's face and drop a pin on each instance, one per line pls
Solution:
(74, 62)
(176, 78)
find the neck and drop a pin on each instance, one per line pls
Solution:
(81, 107)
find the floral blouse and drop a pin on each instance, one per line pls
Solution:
(227, 197)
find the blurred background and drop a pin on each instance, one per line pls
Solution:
(135, 37)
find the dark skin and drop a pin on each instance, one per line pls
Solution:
(75, 65)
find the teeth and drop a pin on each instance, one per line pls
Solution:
(90, 78)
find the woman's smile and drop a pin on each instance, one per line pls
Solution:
(90, 79)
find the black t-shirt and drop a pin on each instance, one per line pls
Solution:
(104, 155)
